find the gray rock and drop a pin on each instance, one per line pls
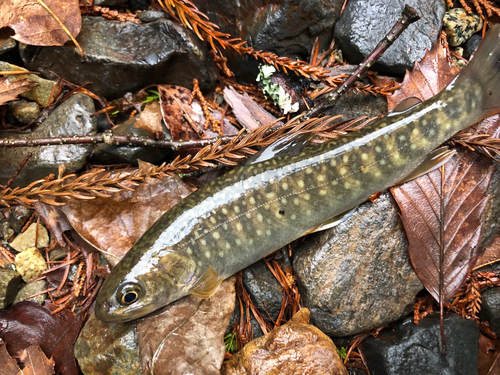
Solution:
(24, 111)
(9, 285)
(364, 23)
(108, 348)
(73, 117)
(126, 56)
(460, 26)
(410, 349)
(151, 15)
(6, 231)
(288, 28)
(18, 216)
(7, 45)
(490, 308)
(357, 276)
(30, 289)
(40, 93)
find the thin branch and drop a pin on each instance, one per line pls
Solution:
(408, 16)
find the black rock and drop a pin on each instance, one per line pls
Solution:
(286, 27)
(357, 276)
(471, 45)
(490, 308)
(364, 23)
(73, 117)
(125, 56)
(410, 349)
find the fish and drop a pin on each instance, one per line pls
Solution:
(259, 207)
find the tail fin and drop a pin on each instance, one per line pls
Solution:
(485, 68)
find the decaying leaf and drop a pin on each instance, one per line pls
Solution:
(187, 337)
(186, 121)
(428, 77)
(36, 362)
(150, 120)
(113, 225)
(489, 356)
(9, 90)
(27, 323)
(443, 216)
(35, 25)
(9, 364)
(247, 111)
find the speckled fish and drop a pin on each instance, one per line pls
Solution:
(257, 208)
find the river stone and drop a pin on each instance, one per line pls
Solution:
(471, 45)
(357, 276)
(29, 238)
(9, 285)
(73, 117)
(490, 308)
(28, 290)
(126, 56)
(30, 264)
(460, 26)
(108, 348)
(409, 349)
(23, 111)
(293, 348)
(364, 23)
(285, 27)
(7, 44)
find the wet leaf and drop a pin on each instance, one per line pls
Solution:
(186, 121)
(34, 25)
(429, 76)
(114, 224)
(250, 114)
(445, 215)
(489, 356)
(187, 337)
(150, 120)
(490, 255)
(27, 323)
(9, 90)
(35, 362)
(9, 364)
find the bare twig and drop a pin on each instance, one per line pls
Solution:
(408, 16)
(16, 173)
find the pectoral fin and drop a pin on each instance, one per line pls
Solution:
(290, 144)
(207, 284)
(334, 221)
(433, 161)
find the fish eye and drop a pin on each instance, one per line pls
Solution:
(129, 293)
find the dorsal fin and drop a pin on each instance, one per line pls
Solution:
(207, 284)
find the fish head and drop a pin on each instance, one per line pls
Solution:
(152, 282)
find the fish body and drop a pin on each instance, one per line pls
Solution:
(255, 209)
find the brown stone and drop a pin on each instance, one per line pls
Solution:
(293, 348)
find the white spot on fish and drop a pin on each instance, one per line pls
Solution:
(203, 242)
(402, 137)
(296, 201)
(216, 235)
(228, 245)
(345, 158)
(207, 254)
(224, 210)
(252, 200)
(378, 149)
(293, 216)
(284, 185)
(237, 209)
(307, 196)
(322, 192)
(333, 163)
(260, 218)
(270, 195)
(309, 170)
(189, 251)
(300, 183)
(212, 220)
(321, 178)
(239, 226)
(347, 185)
(342, 171)
(382, 161)
(221, 254)
(365, 156)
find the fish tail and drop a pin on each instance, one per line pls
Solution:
(485, 69)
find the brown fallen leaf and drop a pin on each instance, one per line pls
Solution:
(9, 90)
(150, 120)
(186, 121)
(490, 255)
(114, 224)
(442, 219)
(35, 362)
(34, 25)
(489, 356)
(9, 364)
(429, 76)
(187, 337)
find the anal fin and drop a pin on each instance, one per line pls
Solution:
(433, 161)
(334, 221)
(207, 284)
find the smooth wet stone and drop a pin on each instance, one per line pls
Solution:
(460, 26)
(151, 15)
(18, 216)
(9, 285)
(364, 23)
(30, 289)
(29, 238)
(30, 264)
(287, 28)
(23, 111)
(126, 56)
(409, 349)
(7, 45)
(6, 231)
(490, 308)
(471, 45)
(357, 276)
(40, 93)
(73, 117)
(108, 348)
(293, 348)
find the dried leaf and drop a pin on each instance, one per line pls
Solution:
(113, 225)
(9, 364)
(27, 323)
(35, 362)
(34, 25)
(9, 90)
(489, 356)
(428, 77)
(187, 337)
(186, 121)
(150, 120)
(247, 111)
(445, 215)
